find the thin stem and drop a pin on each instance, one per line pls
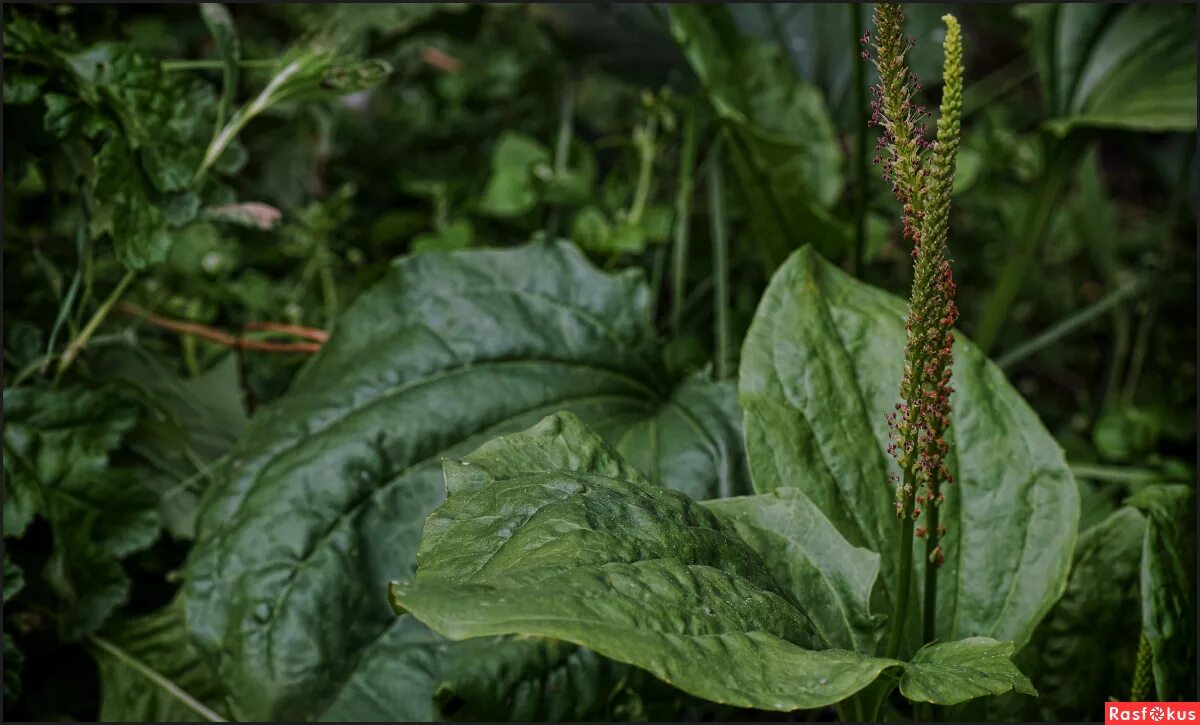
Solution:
(170, 687)
(308, 333)
(214, 335)
(172, 66)
(860, 146)
(1067, 325)
(646, 153)
(683, 214)
(264, 99)
(716, 204)
(82, 237)
(77, 344)
(1118, 474)
(562, 147)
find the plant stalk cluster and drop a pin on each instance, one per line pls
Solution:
(922, 176)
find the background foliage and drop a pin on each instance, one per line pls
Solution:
(167, 165)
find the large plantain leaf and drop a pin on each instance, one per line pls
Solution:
(1130, 66)
(322, 501)
(821, 368)
(1168, 584)
(549, 533)
(150, 672)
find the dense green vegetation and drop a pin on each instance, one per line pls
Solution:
(416, 362)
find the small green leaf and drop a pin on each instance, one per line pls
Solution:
(550, 533)
(1168, 585)
(512, 188)
(948, 673)
(454, 235)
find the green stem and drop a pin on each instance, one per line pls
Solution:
(77, 344)
(646, 153)
(1067, 325)
(171, 66)
(932, 540)
(1061, 163)
(904, 543)
(683, 214)
(261, 102)
(158, 679)
(82, 237)
(860, 146)
(1120, 474)
(716, 203)
(562, 147)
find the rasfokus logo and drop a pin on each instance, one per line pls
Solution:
(1151, 712)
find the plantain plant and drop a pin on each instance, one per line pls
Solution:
(777, 600)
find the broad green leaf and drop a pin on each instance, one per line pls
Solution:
(830, 580)
(786, 155)
(150, 671)
(1074, 668)
(821, 369)
(1130, 67)
(947, 673)
(56, 448)
(549, 533)
(446, 352)
(1168, 584)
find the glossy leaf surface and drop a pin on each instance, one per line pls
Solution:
(550, 533)
(819, 373)
(947, 673)
(322, 502)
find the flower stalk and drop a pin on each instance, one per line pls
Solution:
(922, 176)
